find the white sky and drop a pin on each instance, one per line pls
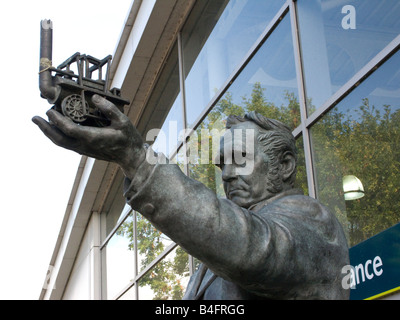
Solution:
(36, 176)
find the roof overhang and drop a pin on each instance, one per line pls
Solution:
(148, 34)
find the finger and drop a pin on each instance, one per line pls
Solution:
(108, 109)
(55, 135)
(68, 127)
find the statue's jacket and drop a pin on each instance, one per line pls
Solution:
(287, 247)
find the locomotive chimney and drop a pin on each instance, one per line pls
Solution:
(47, 88)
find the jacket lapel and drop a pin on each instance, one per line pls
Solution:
(208, 278)
(195, 282)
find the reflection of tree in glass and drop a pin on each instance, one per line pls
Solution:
(165, 278)
(362, 142)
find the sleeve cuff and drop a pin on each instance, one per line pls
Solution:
(143, 173)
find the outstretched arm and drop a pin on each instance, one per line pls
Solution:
(214, 231)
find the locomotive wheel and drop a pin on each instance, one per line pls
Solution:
(73, 108)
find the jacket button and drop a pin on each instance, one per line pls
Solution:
(148, 208)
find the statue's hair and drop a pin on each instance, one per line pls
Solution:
(263, 122)
(275, 139)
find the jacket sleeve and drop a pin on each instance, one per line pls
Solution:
(214, 230)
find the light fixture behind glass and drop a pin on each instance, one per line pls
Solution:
(352, 187)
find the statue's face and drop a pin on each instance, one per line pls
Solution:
(243, 165)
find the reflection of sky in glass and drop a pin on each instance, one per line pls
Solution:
(332, 54)
(168, 137)
(239, 26)
(381, 88)
(273, 67)
(120, 265)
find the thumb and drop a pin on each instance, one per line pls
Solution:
(109, 109)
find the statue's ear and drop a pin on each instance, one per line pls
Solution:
(287, 165)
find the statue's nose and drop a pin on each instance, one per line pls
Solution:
(228, 173)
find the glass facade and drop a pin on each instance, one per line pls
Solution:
(360, 137)
(164, 108)
(330, 70)
(215, 39)
(118, 259)
(338, 39)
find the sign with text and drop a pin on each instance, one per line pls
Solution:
(375, 265)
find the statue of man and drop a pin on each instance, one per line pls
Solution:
(264, 241)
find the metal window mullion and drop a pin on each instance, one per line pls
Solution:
(135, 281)
(184, 117)
(302, 100)
(183, 96)
(114, 230)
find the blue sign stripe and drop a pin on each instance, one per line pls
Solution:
(376, 264)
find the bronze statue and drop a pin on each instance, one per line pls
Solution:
(264, 241)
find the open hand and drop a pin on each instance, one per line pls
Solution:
(119, 142)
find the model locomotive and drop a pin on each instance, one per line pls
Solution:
(70, 86)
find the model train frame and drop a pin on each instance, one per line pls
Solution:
(71, 85)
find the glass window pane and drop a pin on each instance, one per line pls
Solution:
(215, 39)
(338, 38)
(202, 146)
(357, 142)
(118, 211)
(150, 242)
(164, 108)
(267, 84)
(119, 260)
(168, 279)
(167, 139)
